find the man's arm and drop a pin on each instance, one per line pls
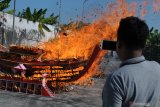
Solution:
(112, 95)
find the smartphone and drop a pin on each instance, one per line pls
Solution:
(108, 45)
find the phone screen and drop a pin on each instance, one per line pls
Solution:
(108, 45)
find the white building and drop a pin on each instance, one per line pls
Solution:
(26, 32)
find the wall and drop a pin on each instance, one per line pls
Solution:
(26, 32)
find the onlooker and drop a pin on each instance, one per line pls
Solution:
(137, 82)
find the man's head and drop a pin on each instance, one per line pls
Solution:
(131, 36)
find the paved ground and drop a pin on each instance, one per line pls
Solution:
(81, 96)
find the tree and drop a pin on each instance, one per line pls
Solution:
(39, 16)
(154, 37)
(4, 4)
(152, 50)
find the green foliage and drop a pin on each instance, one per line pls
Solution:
(154, 37)
(39, 16)
(152, 50)
(4, 4)
(45, 27)
(10, 12)
(27, 14)
(40, 28)
(50, 20)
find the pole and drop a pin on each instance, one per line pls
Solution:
(13, 34)
(83, 9)
(59, 13)
(59, 19)
(2, 29)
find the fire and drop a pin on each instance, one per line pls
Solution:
(79, 43)
(156, 4)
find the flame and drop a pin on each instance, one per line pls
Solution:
(79, 43)
(156, 4)
(143, 11)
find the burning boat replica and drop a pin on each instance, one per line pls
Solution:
(23, 70)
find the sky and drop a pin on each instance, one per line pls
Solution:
(75, 9)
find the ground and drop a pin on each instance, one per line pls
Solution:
(80, 96)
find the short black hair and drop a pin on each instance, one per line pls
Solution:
(133, 33)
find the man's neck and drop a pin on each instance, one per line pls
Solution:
(132, 54)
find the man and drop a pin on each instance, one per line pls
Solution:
(137, 82)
